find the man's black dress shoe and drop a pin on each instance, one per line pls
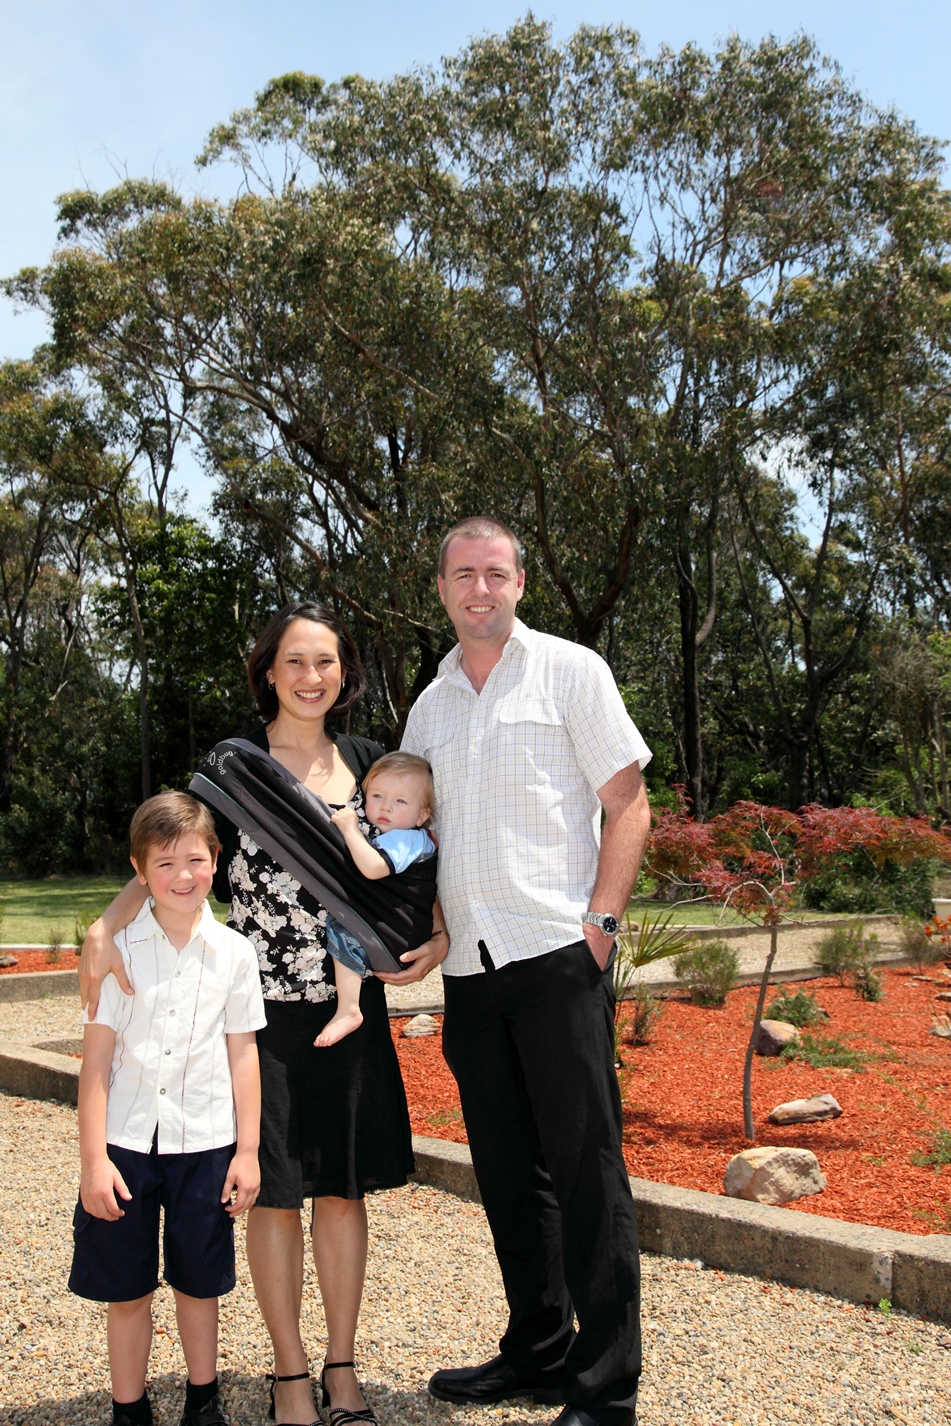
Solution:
(493, 1381)
(577, 1416)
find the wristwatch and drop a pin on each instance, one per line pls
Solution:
(607, 925)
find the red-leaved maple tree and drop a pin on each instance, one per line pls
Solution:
(757, 860)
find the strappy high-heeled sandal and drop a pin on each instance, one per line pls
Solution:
(300, 1376)
(339, 1415)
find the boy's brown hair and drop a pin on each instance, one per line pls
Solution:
(166, 818)
(406, 765)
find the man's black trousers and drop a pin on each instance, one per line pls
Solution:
(531, 1046)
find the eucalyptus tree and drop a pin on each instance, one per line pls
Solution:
(622, 233)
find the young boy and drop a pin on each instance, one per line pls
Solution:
(169, 1114)
(398, 791)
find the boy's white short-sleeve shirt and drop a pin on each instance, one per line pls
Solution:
(170, 1067)
(517, 770)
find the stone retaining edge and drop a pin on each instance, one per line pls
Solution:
(849, 1260)
(39, 984)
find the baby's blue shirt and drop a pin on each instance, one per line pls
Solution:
(403, 846)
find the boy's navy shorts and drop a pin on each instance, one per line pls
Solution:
(118, 1262)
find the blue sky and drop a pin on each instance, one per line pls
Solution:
(89, 91)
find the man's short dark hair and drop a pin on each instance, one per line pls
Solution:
(479, 527)
(262, 656)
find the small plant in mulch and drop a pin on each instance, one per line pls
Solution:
(868, 982)
(709, 972)
(642, 944)
(920, 947)
(54, 951)
(940, 1155)
(938, 932)
(443, 1117)
(84, 920)
(801, 1009)
(830, 1052)
(840, 952)
(644, 1011)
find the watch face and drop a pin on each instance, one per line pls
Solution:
(609, 925)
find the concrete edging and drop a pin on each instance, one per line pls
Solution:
(850, 1260)
(39, 984)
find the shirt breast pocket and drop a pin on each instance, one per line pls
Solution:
(533, 742)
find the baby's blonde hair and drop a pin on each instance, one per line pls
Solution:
(406, 765)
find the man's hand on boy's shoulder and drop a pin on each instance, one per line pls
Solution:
(101, 1181)
(243, 1180)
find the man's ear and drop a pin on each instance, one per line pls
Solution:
(137, 872)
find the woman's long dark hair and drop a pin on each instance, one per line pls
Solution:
(263, 654)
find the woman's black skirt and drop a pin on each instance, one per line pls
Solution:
(334, 1122)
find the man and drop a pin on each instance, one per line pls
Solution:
(529, 740)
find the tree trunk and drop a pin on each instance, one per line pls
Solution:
(692, 738)
(748, 1126)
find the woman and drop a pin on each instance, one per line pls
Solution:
(334, 1123)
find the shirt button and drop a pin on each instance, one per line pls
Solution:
(168, 1052)
(161, 1091)
(171, 1012)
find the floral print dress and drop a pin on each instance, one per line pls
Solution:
(285, 923)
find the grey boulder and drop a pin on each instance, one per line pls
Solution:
(773, 1175)
(806, 1111)
(419, 1025)
(773, 1036)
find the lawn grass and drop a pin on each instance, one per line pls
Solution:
(701, 913)
(33, 909)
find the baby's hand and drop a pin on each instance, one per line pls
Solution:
(346, 819)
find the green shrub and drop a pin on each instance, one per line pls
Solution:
(860, 887)
(709, 972)
(868, 982)
(841, 952)
(830, 1053)
(81, 925)
(800, 1009)
(645, 1011)
(921, 949)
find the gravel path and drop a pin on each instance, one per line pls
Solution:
(720, 1349)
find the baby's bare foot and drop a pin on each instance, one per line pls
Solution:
(343, 1023)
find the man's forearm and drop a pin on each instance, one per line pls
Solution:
(623, 839)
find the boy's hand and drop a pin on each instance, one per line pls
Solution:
(98, 1186)
(346, 819)
(244, 1180)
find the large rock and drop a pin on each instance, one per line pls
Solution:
(773, 1036)
(420, 1025)
(772, 1175)
(806, 1111)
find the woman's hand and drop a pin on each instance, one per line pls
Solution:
(419, 962)
(100, 957)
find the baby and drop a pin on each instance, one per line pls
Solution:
(399, 801)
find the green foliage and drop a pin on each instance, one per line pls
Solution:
(922, 950)
(800, 1009)
(840, 952)
(885, 1306)
(940, 1155)
(643, 1011)
(709, 972)
(826, 1053)
(868, 982)
(859, 886)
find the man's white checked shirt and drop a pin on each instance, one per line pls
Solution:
(517, 769)
(170, 1066)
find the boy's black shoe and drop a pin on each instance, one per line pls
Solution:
(211, 1414)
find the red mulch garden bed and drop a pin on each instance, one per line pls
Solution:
(38, 960)
(682, 1107)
